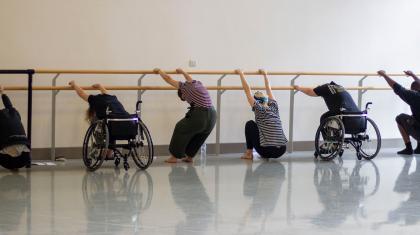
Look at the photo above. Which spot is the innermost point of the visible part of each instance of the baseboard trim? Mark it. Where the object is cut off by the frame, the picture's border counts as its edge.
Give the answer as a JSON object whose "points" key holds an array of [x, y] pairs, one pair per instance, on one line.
{"points": [[162, 150]]}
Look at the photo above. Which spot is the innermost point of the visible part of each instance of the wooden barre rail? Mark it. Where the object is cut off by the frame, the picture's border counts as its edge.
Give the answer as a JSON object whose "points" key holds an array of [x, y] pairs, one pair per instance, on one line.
{"points": [[204, 72], [163, 88]]}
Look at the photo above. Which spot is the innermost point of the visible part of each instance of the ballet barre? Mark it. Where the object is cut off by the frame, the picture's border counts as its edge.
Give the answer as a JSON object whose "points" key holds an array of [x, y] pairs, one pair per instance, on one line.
{"points": [[165, 88], [220, 75]]}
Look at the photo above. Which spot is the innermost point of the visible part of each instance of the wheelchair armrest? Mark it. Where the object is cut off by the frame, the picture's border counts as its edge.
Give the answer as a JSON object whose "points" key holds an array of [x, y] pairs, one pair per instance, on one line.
{"points": [[121, 116], [353, 113]]}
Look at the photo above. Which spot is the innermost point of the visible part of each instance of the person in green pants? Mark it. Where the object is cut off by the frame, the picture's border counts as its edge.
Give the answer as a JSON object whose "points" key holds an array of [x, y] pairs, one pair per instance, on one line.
{"points": [[191, 131]]}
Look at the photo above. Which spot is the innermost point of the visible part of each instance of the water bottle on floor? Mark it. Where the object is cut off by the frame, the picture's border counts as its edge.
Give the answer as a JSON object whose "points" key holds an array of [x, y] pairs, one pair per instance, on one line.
{"points": [[203, 150]]}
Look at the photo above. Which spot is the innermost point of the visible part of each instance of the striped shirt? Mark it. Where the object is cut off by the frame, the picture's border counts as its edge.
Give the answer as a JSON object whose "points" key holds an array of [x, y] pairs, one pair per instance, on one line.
{"points": [[195, 94], [269, 124]]}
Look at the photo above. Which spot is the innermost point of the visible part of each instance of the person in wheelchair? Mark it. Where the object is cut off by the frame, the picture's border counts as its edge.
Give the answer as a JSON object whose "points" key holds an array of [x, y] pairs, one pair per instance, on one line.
{"points": [[14, 145], [99, 106], [192, 131], [337, 99], [409, 125]]}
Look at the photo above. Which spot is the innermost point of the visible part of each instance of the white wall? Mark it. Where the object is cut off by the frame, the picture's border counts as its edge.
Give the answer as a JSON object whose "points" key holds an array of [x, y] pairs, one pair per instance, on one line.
{"points": [[281, 35]]}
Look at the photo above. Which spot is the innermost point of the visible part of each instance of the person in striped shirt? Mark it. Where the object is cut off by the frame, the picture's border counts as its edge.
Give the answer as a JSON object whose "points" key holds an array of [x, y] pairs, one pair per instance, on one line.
{"points": [[265, 134], [192, 131]]}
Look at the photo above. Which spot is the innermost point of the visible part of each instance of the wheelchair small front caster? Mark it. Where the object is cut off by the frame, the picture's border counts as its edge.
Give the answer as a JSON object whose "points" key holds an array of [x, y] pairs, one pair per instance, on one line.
{"points": [[126, 166], [341, 153], [359, 156], [316, 155], [117, 161]]}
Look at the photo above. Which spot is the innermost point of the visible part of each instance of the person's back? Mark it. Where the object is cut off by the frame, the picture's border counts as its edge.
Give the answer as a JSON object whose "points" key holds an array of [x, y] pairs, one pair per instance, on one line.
{"points": [[336, 98], [12, 131], [103, 102]]}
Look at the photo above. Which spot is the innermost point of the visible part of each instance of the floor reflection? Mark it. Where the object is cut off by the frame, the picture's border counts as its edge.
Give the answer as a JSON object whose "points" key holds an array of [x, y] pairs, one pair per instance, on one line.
{"points": [[13, 200], [341, 191], [409, 211], [114, 198], [263, 186], [190, 195]]}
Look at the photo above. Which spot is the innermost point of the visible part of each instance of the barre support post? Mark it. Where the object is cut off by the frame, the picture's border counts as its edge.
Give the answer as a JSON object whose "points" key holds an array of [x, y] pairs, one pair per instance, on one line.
{"points": [[218, 110], [291, 113], [54, 94], [140, 92], [29, 121]]}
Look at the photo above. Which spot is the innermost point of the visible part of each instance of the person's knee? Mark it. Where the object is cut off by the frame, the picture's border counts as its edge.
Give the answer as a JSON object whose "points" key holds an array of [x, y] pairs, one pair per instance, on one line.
{"points": [[250, 123], [400, 119]]}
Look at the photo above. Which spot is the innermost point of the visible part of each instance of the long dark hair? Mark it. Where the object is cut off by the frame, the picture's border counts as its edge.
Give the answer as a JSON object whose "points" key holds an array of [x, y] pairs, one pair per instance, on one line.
{"points": [[90, 115]]}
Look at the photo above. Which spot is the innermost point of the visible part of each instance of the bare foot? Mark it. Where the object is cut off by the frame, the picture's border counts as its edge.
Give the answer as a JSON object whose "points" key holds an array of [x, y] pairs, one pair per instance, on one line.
{"points": [[247, 156], [171, 160], [187, 159]]}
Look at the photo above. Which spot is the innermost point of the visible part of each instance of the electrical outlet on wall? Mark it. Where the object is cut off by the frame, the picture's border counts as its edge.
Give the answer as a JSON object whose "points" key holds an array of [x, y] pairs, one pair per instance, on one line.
{"points": [[192, 63]]}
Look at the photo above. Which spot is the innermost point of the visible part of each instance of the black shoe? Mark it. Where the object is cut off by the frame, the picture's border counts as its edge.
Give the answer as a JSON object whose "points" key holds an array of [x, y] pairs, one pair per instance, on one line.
{"points": [[406, 151], [417, 150]]}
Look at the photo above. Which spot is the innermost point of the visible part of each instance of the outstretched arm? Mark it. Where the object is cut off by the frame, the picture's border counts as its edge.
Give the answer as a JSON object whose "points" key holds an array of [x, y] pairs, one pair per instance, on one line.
{"points": [[186, 75], [411, 74], [308, 91], [6, 101], [100, 87], [82, 94], [267, 84], [246, 87], [389, 80], [167, 78]]}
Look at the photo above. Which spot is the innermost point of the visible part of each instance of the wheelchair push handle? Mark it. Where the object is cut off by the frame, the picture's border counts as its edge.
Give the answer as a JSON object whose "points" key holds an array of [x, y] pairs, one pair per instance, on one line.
{"points": [[137, 105], [367, 105]]}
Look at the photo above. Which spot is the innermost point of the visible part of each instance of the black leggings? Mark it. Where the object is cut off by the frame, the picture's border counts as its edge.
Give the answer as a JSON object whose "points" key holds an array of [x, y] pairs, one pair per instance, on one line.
{"points": [[252, 135]]}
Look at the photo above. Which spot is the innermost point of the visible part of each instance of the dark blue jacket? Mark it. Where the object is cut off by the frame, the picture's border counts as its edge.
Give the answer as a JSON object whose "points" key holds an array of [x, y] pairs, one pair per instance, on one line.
{"points": [[11, 128]]}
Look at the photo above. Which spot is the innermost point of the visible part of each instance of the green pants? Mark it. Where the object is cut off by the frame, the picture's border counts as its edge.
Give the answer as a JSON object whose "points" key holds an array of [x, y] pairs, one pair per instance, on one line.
{"points": [[192, 131]]}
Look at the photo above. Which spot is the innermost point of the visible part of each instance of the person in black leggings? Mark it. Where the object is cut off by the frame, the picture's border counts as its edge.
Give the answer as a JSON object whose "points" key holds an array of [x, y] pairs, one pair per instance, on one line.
{"points": [[265, 134]]}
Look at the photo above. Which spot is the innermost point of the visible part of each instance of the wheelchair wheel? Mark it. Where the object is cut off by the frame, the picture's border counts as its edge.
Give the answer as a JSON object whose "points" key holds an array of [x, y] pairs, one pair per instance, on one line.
{"points": [[329, 138], [95, 145], [140, 190], [143, 153], [371, 141]]}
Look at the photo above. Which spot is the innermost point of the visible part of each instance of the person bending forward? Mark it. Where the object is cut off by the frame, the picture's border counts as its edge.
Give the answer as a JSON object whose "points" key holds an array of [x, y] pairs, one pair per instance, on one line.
{"points": [[14, 145], [192, 131], [99, 105]]}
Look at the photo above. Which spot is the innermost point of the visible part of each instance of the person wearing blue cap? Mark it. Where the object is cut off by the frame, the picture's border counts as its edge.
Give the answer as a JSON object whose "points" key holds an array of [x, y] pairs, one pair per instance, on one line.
{"points": [[265, 134]]}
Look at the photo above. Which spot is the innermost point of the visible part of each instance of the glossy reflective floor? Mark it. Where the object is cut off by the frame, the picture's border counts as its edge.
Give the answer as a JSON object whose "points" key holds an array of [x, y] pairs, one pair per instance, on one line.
{"points": [[217, 195]]}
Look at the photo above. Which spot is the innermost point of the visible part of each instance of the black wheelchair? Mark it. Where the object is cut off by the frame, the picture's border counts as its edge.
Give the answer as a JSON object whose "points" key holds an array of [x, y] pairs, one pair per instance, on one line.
{"points": [[337, 132], [125, 135]]}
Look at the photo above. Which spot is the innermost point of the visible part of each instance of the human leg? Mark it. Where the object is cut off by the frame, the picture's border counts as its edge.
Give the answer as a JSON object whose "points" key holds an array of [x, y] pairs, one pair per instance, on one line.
{"points": [[252, 139], [205, 120], [405, 123]]}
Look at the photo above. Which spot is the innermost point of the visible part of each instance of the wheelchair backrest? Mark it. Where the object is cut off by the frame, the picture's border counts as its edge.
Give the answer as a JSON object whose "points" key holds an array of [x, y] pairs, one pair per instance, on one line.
{"points": [[122, 127], [354, 124]]}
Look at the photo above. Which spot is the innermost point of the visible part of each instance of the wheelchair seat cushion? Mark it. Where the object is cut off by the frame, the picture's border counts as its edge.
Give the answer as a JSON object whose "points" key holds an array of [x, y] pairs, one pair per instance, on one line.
{"points": [[121, 129]]}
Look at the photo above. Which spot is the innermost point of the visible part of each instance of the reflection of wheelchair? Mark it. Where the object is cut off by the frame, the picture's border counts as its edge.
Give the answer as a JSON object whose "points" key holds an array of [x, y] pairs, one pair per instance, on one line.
{"points": [[355, 128], [102, 137], [343, 187], [119, 198]]}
